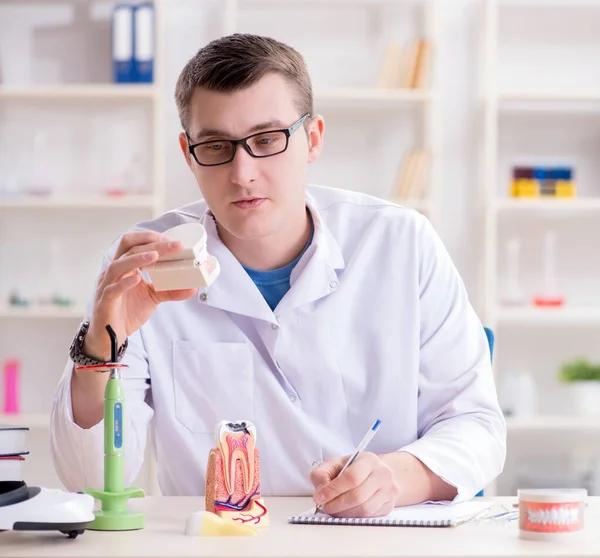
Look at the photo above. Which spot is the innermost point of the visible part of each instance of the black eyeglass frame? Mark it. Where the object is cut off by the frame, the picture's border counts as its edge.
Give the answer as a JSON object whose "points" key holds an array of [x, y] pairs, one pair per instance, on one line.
{"points": [[244, 143]]}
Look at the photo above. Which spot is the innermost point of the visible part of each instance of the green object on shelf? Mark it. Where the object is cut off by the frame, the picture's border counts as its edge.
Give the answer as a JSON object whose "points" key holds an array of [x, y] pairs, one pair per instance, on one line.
{"points": [[16, 300], [114, 514], [62, 301], [580, 370]]}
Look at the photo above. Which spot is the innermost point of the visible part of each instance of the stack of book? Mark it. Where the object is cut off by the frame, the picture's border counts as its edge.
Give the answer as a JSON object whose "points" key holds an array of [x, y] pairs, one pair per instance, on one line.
{"points": [[412, 177], [406, 67], [13, 449]]}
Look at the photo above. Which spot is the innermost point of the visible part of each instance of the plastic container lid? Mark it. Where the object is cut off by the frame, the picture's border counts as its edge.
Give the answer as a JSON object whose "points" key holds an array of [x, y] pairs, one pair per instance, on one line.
{"points": [[193, 237], [552, 495]]}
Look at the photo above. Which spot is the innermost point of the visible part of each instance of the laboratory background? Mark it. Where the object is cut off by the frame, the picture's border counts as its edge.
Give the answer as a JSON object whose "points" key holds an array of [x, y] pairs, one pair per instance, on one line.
{"points": [[484, 115]]}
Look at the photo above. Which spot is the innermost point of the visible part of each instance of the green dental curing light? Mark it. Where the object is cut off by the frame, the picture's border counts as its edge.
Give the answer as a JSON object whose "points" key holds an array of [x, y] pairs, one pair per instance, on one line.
{"points": [[114, 514]]}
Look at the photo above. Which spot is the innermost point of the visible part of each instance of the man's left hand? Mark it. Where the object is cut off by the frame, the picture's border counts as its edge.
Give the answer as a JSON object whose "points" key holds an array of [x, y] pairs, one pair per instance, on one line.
{"points": [[367, 488]]}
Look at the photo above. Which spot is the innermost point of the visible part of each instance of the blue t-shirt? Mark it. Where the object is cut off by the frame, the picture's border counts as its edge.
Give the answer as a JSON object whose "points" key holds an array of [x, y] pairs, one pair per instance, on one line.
{"points": [[273, 284]]}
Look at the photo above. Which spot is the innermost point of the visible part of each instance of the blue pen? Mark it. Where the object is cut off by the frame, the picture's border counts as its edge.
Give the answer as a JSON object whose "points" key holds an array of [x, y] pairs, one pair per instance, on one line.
{"points": [[360, 448]]}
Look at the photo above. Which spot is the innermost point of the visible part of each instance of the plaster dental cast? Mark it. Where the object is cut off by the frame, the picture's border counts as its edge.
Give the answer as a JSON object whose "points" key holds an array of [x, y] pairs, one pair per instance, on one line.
{"points": [[329, 309]]}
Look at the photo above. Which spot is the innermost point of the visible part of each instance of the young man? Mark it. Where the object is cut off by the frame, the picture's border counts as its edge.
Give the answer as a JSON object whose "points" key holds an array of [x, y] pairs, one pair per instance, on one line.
{"points": [[332, 309]]}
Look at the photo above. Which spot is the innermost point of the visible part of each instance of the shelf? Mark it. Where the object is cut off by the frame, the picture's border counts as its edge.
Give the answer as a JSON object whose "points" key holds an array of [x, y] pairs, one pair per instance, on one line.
{"points": [[345, 3], [39, 312], [554, 424], [82, 202], [554, 96], [370, 97], [549, 3], [549, 316], [541, 423], [73, 92], [25, 419], [590, 204], [549, 101]]}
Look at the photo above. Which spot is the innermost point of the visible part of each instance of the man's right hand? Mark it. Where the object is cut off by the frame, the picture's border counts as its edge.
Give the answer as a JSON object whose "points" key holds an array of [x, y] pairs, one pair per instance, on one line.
{"points": [[123, 299]]}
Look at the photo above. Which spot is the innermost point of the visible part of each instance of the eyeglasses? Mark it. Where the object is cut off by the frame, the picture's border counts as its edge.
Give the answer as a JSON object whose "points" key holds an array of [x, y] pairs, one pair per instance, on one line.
{"points": [[259, 145]]}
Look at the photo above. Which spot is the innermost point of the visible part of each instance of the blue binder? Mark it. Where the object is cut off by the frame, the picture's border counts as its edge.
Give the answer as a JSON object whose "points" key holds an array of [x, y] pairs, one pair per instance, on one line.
{"points": [[122, 43], [143, 42]]}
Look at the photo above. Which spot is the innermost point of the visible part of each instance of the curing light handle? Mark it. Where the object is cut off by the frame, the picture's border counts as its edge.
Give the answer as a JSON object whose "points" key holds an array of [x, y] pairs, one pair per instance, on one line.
{"points": [[114, 457], [114, 514]]}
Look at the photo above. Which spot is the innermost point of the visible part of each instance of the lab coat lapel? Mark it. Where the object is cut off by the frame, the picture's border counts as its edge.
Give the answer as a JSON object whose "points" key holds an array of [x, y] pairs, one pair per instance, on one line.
{"points": [[316, 274], [233, 290]]}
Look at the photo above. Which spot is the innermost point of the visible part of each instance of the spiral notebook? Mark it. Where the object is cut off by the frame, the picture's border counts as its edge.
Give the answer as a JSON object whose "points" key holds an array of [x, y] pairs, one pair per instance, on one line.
{"points": [[421, 515]]}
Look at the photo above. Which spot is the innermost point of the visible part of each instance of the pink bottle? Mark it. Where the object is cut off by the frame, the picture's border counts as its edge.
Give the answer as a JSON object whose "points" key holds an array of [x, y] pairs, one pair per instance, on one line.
{"points": [[11, 386]]}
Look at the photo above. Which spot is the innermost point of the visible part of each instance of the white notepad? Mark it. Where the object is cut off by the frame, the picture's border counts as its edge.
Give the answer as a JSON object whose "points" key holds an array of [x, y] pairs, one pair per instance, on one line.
{"points": [[421, 515]]}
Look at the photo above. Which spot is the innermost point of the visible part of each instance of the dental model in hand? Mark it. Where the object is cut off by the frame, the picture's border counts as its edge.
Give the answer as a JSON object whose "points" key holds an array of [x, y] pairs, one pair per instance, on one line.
{"points": [[233, 475], [189, 268]]}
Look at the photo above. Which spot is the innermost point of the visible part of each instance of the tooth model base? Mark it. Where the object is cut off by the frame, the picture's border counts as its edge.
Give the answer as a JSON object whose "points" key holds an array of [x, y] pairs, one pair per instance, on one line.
{"points": [[206, 524]]}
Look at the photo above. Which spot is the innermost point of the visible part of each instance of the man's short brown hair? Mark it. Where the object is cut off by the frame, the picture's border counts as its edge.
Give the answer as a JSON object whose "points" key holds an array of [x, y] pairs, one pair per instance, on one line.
{"points": [[237, 61]]}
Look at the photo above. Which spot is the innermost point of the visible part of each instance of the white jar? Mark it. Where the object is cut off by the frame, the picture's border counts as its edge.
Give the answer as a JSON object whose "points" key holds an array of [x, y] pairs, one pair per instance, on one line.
{"points": [[551, 514], [518, 394], [586, 398]]}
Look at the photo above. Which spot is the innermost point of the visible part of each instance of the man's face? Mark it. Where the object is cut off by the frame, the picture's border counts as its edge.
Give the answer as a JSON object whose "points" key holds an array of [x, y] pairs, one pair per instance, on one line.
{"points": [[253, 197]]}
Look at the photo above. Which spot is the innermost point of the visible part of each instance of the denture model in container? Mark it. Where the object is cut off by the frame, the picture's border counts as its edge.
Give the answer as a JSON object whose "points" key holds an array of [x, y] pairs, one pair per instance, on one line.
{"points": [[551, 514], [191, 267]]}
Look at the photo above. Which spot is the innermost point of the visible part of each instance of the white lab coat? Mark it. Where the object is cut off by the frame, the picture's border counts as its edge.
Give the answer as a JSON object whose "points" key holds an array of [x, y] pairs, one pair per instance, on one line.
{"points": [[376, 325]]}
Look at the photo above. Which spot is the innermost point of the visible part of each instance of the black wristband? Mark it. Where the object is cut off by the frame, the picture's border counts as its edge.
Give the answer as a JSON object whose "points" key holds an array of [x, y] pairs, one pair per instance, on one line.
{"points": [[78, 357]]}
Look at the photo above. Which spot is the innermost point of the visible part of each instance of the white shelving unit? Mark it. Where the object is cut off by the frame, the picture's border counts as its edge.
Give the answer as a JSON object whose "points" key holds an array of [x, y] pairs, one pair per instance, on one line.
{"points": [[73, 210], [549, 317], [149, 202], [349, 101], [524, 106], [582, 426], [37, 312], [365, 98], [31, 421], [79, 92], [564, 205]]}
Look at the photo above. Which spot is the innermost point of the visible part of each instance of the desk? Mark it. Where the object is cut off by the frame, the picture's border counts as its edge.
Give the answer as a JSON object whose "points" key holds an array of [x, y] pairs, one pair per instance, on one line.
{"points": [[165, 520]]}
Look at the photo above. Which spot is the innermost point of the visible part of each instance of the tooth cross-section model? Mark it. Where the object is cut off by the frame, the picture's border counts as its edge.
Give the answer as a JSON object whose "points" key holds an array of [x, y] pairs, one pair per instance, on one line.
{"points": [[233, 475]]}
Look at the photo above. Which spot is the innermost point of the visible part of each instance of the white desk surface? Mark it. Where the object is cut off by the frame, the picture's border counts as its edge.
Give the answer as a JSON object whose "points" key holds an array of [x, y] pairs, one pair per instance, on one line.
{"points": [[165, 521]]}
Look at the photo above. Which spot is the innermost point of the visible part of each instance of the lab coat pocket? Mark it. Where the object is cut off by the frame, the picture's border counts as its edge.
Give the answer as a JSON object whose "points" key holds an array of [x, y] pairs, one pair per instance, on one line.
{"points": [[212, 382]]}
